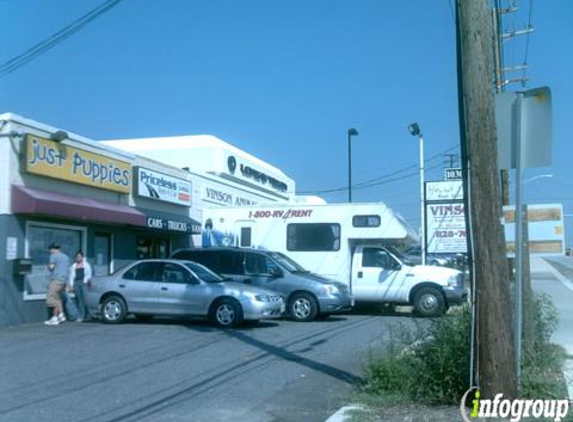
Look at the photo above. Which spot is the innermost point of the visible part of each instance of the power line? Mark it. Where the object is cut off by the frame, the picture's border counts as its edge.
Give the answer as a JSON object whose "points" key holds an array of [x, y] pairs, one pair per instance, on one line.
{"points": [[47, 44], [526, 55], [381, 179]]}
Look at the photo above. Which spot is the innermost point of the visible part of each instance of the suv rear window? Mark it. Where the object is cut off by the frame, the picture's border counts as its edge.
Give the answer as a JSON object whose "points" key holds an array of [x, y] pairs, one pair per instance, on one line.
{"points": [[219, 261]]}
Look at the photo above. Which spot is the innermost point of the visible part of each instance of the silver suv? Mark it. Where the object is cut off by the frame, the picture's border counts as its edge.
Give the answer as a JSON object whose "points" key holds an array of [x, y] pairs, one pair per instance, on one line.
{"points": [[307, 295]]}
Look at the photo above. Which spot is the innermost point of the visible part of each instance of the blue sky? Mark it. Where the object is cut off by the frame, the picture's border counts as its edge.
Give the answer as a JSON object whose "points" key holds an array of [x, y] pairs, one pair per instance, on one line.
{"points": [[284, 80]]}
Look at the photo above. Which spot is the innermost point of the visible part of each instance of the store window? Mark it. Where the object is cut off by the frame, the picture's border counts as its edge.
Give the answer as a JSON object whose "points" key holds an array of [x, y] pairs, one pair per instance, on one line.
{"points": [[313, 237], [153, 248], [39, 236]]}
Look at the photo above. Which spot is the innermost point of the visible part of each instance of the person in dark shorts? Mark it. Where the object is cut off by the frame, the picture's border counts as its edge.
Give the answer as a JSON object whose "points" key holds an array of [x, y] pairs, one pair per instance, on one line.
{"points": [[58, 265]]}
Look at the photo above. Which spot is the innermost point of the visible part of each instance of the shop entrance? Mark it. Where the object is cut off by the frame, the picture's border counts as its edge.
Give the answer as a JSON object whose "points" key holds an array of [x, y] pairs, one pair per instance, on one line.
{"points": [[153, 248], [102, 254]]}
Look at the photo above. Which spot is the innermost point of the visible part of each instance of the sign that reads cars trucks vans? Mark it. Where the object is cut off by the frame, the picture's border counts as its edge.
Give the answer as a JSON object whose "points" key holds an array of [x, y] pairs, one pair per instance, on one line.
{"points": [[445, 218], [154, 185]]}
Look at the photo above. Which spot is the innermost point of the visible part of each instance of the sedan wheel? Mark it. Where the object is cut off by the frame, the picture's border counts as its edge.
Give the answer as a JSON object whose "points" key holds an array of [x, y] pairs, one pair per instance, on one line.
{"points": [[113, 310], [227, 313], [303, 307]]}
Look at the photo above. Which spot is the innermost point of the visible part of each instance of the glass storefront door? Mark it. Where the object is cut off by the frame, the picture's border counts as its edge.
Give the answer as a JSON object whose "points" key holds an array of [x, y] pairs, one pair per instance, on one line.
{"points": [[153, 248], [102, 255]]}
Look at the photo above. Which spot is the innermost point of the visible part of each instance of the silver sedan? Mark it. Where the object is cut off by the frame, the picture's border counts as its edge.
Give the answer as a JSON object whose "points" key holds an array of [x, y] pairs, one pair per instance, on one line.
{"points": [[173, 287]]}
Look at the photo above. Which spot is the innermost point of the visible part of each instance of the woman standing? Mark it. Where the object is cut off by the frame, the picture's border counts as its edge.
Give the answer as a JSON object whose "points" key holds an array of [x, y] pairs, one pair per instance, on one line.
{"points": [[80, 275]]}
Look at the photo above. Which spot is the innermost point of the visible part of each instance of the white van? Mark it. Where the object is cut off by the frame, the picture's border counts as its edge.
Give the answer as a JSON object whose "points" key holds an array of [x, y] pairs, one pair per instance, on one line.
{"points": [[351, 243]]}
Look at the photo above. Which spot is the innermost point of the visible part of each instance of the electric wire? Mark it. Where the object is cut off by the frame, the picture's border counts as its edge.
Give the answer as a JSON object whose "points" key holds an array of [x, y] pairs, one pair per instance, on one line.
{"points": [[527, 37], [38, 49], [384, 179]]}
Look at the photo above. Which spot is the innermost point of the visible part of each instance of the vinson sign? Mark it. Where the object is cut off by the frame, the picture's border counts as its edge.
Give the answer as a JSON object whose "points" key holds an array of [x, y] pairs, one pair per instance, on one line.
{"points": [[154, 185]]}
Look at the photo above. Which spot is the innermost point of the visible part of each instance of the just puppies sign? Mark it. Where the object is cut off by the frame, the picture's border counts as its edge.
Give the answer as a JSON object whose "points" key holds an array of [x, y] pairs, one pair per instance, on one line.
{"points": [[45, 157], [151, 184]]}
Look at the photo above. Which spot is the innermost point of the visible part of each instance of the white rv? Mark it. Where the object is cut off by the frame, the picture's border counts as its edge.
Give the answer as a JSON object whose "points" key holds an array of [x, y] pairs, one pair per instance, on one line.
{"points": [[351, 243]]}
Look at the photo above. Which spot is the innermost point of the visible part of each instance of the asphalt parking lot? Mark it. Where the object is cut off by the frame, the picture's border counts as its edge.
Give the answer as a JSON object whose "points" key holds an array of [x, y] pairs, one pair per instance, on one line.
{"points": [[174, 370]]}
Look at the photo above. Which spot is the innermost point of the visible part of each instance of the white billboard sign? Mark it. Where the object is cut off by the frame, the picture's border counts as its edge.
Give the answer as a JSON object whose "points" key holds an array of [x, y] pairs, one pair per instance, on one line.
{"points": [[155, 185], [445, 217], [451, 190], [446, 228], [545, 229]]}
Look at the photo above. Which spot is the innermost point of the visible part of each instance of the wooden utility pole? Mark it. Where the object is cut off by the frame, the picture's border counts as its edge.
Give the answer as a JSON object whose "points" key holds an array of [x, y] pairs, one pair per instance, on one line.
{"points": [[494, 338]]}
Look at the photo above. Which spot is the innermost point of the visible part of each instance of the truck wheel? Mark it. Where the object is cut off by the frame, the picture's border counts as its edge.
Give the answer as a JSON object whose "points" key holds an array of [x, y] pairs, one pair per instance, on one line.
{"points": [[429, 302], [303, 307]]}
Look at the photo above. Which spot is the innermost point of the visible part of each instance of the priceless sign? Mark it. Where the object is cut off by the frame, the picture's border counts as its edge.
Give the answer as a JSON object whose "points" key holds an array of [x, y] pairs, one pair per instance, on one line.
{"points": [[151, 184], [52, 159]]}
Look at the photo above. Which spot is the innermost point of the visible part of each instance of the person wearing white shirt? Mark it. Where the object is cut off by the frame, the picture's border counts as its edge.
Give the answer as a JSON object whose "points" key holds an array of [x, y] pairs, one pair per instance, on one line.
{"points": [[79, 278]]}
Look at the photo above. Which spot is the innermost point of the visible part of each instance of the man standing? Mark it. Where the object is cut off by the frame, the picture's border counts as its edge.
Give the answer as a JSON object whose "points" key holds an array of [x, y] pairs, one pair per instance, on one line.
{"points": [[59, 265]]}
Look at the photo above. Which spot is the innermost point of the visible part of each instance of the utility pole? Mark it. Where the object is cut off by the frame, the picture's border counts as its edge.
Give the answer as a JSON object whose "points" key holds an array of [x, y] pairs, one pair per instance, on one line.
{"points": [[452, 158], [494, 338], [525, 324], [501, 71]]}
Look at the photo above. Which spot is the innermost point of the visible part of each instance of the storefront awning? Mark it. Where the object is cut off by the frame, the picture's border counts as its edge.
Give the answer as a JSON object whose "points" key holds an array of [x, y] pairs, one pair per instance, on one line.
{"points": [[32, 201]]}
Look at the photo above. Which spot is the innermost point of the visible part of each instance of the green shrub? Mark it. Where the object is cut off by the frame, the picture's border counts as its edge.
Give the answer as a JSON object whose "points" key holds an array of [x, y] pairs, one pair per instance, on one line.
{"points": [[541, 376], [430, 362]]}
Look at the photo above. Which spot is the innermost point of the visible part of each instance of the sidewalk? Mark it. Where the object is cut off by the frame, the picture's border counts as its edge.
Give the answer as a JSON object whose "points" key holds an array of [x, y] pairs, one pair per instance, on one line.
{"points": [[554, 276]]}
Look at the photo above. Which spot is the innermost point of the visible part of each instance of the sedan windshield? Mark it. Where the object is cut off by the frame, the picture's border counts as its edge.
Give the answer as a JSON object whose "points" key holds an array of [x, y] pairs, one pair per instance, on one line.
{"points": [[204, 273], [289, 264]]}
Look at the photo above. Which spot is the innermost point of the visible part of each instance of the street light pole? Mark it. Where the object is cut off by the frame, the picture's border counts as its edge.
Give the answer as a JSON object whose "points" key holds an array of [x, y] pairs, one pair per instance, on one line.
{"points": [[351, 132], [414, 129]]}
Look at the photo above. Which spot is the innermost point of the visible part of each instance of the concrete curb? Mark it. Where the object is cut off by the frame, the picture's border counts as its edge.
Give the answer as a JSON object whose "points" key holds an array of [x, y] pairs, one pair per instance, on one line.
{"points": [[340, 415]]}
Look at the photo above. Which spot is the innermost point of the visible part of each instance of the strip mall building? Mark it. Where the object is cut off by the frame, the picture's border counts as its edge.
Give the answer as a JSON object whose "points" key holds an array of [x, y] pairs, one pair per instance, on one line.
{"points": [[117, 201]]}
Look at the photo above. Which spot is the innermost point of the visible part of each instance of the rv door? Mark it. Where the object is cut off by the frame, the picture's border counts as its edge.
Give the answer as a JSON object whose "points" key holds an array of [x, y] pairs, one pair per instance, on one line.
{"points": [[245, 231]]}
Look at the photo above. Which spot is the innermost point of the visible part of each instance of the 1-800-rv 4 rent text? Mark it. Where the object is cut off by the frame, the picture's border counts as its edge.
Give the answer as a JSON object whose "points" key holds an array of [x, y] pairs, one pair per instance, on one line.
{"points": [[351, 243]]}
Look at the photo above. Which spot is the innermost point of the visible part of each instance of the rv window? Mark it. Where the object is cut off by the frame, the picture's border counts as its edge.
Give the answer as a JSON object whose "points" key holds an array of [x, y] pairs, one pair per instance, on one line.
{"points": [[313, 237], [245, 237], [366, 221]]}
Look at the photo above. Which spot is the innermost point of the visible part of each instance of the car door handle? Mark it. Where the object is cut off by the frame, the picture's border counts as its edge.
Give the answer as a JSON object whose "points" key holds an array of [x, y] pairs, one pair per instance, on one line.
{"points": [[360, 274], [410, 275], [122, 286], [164, 288]]}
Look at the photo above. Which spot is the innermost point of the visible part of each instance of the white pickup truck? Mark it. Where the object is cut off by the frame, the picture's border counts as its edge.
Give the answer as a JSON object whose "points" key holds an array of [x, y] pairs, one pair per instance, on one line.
{"points": [[382, 274]]}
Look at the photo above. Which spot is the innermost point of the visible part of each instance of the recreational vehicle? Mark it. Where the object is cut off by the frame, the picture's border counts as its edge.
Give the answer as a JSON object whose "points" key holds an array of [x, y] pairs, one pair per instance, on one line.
{"points": [[356, 244]]}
